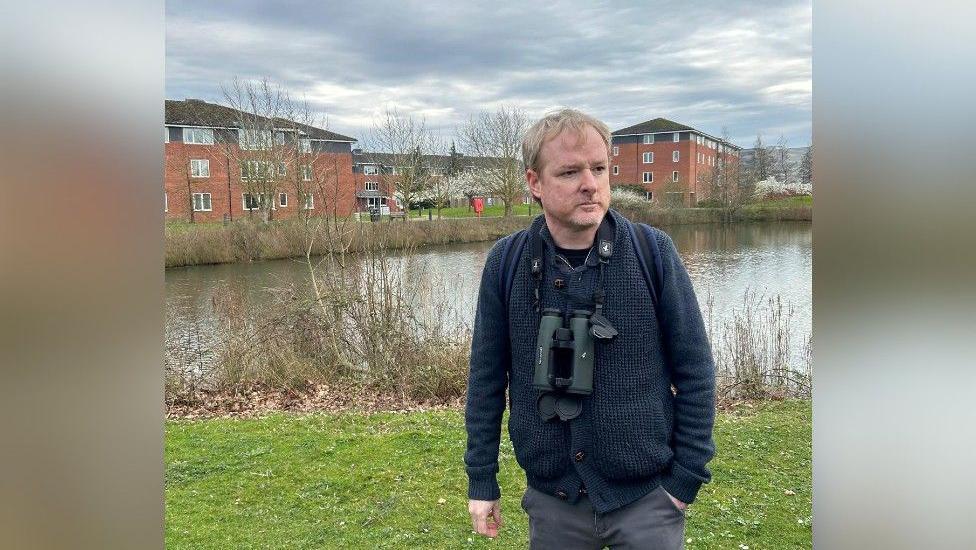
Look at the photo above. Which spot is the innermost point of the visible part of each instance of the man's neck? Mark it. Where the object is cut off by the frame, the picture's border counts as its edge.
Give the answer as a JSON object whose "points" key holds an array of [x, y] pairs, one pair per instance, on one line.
{"points": [[572, 239]]}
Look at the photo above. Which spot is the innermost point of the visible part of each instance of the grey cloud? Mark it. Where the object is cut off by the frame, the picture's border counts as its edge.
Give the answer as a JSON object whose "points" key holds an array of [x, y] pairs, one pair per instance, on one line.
{"points": [[709, 65]]}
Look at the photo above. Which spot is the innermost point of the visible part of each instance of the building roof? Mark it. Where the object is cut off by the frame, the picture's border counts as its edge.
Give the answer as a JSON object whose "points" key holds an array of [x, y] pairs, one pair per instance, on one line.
{"points": [[442, 161], [195, 112], [653, 125]]}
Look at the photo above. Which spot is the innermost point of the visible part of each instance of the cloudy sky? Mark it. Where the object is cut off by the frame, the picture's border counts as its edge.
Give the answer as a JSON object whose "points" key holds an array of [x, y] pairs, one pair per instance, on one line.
{"points": [[744, 66]]}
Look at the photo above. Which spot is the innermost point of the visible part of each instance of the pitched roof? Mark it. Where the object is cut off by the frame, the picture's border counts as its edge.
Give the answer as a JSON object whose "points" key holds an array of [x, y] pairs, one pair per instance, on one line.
{"points": [[653, 125], [443, 161], [194, 112]]}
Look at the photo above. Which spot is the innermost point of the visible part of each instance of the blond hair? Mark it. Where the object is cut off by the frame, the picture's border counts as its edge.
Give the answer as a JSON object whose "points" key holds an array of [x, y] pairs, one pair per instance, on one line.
{"points": [[550, 126]]}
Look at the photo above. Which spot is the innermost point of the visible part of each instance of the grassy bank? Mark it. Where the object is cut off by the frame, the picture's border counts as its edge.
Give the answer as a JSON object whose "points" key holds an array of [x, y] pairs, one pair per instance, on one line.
{"points": [[247, 240], [396, 480], [242, 241]]}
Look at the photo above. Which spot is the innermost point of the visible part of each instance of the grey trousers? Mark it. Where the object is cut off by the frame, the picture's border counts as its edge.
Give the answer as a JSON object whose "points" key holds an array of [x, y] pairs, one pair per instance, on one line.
{"points": [[650, 523]]}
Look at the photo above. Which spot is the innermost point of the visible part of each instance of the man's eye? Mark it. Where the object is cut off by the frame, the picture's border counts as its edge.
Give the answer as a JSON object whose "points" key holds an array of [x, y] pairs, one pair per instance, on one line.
{"points": [[568, 173], [600, 169]]}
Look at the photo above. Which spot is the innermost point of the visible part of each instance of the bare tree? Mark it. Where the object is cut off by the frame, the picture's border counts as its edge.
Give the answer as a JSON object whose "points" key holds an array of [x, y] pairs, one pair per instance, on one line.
{"points": [[262, 148], [497, 138], [785, 168], [806, 167], [762, 160], [402, 144]]}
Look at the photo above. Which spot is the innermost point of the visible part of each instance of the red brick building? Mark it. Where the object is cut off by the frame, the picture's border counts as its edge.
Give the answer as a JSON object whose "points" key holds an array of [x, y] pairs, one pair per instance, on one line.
{"points": [[670, 161], [216, 170]]}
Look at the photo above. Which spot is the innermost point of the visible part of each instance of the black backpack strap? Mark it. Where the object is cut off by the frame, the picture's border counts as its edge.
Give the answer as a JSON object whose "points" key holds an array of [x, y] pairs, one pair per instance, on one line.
{"points": [[510, 258], [649, 257]]}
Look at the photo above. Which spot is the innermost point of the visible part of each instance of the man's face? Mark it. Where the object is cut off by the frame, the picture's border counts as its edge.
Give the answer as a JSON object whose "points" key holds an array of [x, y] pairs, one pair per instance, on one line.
{"points": [[573, 183]]}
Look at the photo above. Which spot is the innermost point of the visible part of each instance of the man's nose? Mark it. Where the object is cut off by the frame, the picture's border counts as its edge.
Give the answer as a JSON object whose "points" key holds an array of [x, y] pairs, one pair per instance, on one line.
{"points": [[588, 182]]}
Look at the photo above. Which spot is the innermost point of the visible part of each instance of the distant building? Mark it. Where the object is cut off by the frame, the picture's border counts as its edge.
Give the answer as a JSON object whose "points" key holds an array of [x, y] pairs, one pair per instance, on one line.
{"points": [[667, 160], [207, 174]]}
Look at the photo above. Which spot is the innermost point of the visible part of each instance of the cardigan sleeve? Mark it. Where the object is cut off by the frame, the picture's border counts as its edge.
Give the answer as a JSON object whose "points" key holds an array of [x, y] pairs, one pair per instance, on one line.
{"points": [[692, 372], [487, 380]]}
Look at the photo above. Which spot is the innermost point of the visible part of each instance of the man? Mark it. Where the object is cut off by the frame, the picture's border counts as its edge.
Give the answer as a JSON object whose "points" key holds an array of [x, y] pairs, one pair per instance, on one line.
{"points": [[615, 461]]}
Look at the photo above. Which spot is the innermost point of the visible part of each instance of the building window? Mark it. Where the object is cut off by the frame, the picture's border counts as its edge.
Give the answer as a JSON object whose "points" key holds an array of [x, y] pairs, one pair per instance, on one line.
{"points": [[309, 203], [201, 202], [199, 136], [199, 168], [675, 137], [372, 186], [282, 199], [253, 201], [305, 145], [251, 140], [306, 173], [674, 176], [616, 169], [370, 170], [648, 195], [165, 134], [282, 170], [648, 139], [616, 150], [674, 156], [648, 158], [648, 177], [165, 202], [255, 169]]}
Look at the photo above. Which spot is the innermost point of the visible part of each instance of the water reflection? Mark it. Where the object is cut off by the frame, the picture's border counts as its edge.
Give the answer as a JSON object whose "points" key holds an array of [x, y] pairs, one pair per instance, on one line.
{"points": [[723, 261]]}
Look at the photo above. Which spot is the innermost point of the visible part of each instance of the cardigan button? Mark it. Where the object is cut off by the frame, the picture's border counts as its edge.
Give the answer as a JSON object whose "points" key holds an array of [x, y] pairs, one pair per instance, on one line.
{"points": [[580, 456]]}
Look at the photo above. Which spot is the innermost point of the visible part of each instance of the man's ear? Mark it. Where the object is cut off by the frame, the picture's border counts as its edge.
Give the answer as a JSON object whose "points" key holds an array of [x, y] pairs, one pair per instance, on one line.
{"points": [[535, 186]]}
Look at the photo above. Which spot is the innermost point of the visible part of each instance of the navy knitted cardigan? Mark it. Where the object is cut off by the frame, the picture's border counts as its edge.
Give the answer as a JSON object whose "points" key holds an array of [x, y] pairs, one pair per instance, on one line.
{"points": [[634, 434]]}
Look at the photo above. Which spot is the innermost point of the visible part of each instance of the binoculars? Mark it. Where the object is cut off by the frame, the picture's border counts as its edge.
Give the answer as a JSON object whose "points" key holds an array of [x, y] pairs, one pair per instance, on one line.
{"points": [[564, 355]]}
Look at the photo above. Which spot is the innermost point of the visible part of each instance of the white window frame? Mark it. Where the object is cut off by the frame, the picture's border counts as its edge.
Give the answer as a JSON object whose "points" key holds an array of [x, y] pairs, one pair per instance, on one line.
{"points": [[283, 203], [616, 170], [674, 176], [195, 168], [309, 203], [372, 186], [190, 136], [254, 166], [676, 137], [370, 170], [648, 139], [675, 156], [305, 145], [648, 177], [260, 201], [306, 172], [282, 170], [616, 150], [209, 202], [254, 140], [648, 157], [165, 134], [165, 201]]}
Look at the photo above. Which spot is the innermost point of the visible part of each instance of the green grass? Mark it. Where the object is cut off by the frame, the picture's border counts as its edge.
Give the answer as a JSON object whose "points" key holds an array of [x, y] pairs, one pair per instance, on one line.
{"points": [[786, 202], [489, 211], [374, 481]]}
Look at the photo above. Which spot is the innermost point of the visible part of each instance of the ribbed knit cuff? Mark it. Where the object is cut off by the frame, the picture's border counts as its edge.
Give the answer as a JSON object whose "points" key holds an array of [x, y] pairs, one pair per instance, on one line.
{"points": [[681, 483], [484, 488], [482, 482]]}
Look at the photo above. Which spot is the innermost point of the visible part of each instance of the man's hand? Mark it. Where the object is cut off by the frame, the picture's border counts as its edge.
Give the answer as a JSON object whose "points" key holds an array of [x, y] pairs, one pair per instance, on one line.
{"points": [[678, 503], [486, 516]]}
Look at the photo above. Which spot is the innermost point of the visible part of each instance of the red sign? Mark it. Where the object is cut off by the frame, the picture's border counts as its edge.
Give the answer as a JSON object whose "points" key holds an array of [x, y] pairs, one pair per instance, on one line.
{"points": [[479, 205]]}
